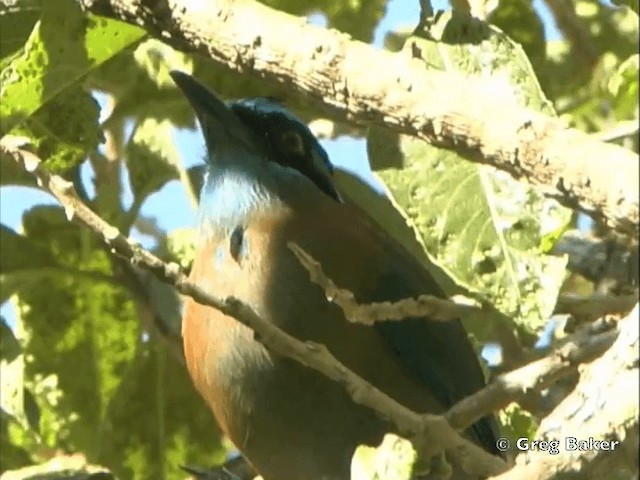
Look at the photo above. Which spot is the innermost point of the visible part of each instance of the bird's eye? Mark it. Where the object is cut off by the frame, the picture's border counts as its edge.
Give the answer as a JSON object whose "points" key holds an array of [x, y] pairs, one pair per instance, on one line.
{"points": [[291, 142]]}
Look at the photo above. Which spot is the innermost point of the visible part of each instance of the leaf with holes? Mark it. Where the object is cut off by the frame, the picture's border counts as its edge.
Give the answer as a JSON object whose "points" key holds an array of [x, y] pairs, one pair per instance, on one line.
{"points": [[479, 224], [63, 46]]}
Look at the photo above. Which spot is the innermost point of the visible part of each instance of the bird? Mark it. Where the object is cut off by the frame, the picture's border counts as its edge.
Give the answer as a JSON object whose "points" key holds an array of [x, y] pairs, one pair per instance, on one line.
{"points": [[268, 182]]}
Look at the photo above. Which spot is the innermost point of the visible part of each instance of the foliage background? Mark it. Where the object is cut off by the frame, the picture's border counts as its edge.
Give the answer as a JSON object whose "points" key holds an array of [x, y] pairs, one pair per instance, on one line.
{"points": [[90, 358]]}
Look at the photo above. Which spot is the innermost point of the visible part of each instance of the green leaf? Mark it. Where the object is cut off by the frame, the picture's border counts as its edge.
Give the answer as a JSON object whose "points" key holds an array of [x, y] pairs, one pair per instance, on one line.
{"points": [[104, 387], [138, 81], [393, 459], [158, 59], [157, 421], [632, 4], [21, 262], [17, 19], [26, 260], [31, 410], [152, 157], [391, 218], [519, 19], [517, 422], [484, 227], [64, 130], [14, 455], [10, 348], [11, 375], [480, 225], [181, 244], [62, 48], [579, 88], [623, 87], [165, 302], [13, 174]]}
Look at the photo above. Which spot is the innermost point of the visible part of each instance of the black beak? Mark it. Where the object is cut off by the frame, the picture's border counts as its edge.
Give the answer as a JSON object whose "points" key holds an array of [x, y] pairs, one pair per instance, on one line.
{"points": [[221, 127]]}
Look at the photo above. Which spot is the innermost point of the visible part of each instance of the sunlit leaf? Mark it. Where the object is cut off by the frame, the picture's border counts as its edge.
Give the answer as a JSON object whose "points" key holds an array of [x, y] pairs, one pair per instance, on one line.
{"points": [[623, 87], [390, 217], [486, 229], [181, 244], [517, 422], [525, 27], [393, 459], [64, 130], [580, 90], [62, 48]]}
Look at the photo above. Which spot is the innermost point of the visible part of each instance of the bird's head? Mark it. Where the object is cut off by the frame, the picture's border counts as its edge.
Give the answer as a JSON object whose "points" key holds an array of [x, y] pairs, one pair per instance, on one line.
{"points": [[253, 131]]}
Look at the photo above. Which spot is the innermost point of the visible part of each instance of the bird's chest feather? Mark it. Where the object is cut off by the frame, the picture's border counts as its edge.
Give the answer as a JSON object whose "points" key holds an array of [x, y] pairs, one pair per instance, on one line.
{"points": [[221, 354], [254, 263], [255, 394]]}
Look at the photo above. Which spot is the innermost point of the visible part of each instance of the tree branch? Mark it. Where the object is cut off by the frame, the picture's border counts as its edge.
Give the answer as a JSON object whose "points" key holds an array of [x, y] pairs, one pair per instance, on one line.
{"points": [[600, 260], [604, 406], [375, 87], [594, 306], [67, 467], [567, 20], [537, 375], [625, 128]]}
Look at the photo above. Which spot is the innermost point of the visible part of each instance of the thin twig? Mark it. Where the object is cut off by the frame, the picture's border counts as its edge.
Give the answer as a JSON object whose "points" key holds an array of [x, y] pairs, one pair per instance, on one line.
{"points": [[537, 375], [620, 130], [435, 308], [592, 307]]}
